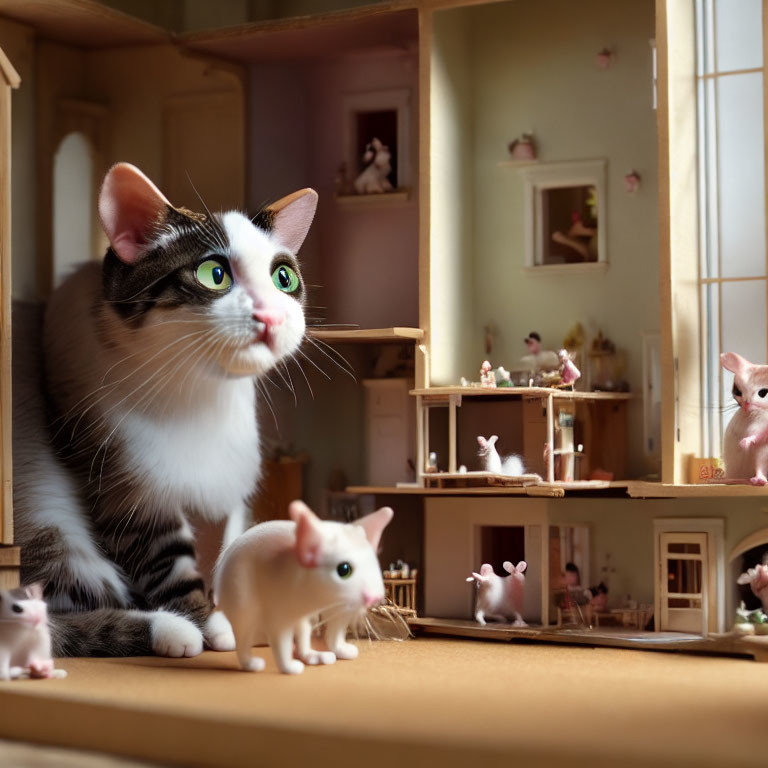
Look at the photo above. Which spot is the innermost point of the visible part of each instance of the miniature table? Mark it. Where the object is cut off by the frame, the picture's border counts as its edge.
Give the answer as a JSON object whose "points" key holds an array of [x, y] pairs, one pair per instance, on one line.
{"points": [[451, 397]]}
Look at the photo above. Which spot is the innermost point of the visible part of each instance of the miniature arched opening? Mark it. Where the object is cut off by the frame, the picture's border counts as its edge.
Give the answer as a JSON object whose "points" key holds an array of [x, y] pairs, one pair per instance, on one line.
{"points": [[750, 552], [73, 205]]}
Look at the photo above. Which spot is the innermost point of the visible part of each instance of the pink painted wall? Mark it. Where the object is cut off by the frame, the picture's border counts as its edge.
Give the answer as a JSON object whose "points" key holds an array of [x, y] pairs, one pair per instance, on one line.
{"points": [[361, 260]]}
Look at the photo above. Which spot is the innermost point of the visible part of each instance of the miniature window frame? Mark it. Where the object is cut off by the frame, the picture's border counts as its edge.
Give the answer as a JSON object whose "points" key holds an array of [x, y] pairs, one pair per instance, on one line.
{"points": [[397, 99], [540, 178]]}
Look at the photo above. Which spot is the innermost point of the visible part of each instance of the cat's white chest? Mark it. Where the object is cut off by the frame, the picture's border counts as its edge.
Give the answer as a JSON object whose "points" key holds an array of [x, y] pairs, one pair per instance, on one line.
{"points": [[205, 459]]}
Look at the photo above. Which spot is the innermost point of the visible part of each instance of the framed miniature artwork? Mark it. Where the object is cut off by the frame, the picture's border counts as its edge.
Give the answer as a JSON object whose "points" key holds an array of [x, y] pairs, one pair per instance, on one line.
{"points": [[565, 216], [376, 139]]}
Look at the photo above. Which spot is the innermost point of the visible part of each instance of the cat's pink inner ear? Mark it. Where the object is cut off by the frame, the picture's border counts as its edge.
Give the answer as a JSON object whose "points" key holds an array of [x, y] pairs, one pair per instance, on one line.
{"points": [[374, 525], [309, 535], [735, 363], [292, 218], [129, 206]]}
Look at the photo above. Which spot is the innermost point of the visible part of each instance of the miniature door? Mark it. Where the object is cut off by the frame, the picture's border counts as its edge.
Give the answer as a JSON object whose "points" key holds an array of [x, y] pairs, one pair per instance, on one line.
{"points": [[684, 582]]}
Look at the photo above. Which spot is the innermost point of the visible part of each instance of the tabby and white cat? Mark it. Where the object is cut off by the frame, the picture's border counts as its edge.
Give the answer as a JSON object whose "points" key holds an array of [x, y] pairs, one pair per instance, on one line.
{"points": [[147, 412]]}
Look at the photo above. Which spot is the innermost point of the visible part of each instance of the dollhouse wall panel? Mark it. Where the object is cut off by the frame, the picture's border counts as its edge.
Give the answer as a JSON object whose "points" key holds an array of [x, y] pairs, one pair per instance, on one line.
{"points": [[361, 260]]}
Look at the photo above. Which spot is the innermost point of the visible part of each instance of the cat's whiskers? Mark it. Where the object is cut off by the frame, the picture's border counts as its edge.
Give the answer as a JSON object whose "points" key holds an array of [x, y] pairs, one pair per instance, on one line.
{"points": [[347, 367], [64, 417], [299, 366], [261, 388], [310, 360], [102, 416]]}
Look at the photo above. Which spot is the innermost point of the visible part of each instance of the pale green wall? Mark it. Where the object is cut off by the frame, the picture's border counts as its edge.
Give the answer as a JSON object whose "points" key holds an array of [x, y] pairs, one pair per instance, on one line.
{"points": [[531, 66], [451, 189]]}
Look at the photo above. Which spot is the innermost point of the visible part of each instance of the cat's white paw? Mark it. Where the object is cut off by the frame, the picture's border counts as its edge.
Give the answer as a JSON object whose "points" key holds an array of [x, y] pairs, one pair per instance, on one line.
{"points": [[175, 636], [218, 633], [346, 651], [318, 657]]}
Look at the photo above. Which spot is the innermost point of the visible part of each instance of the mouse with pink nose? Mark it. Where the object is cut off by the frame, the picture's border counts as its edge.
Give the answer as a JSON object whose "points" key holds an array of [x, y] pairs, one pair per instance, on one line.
{"points": [[275, 578], [25, 640], [745, 445]]}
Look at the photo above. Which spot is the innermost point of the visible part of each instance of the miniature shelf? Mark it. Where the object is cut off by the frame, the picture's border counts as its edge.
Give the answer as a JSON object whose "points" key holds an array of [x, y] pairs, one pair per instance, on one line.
{"points": [[374, 198], [366, 335], [532, 392]]}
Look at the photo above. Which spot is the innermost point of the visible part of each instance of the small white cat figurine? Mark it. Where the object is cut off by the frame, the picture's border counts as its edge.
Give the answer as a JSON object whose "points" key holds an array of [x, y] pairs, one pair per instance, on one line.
{"points": [[745, 446], [511, 465], [373, 178], [278, 575]]}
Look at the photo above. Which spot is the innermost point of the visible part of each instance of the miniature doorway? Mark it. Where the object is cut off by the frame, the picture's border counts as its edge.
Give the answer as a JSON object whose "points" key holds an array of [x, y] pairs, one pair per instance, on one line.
{"points": [[689, 567], [684, 588], [73, 205], [751, 551]]}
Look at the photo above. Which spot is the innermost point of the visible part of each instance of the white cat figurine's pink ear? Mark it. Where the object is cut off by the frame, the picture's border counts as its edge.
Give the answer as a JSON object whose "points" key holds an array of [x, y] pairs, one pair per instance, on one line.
{"points": [[745, 444], [272, 581], [129, 206], [292, 216]]}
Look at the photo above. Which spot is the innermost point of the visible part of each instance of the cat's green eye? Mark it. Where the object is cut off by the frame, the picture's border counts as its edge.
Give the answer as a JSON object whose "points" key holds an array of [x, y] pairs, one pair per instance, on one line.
{"points": [[212, 274], [344, 570], [285, 279]]}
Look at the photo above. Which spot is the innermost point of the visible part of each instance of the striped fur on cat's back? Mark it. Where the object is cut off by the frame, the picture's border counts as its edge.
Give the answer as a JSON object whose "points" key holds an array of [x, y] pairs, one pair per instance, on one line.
{"points": [[141, 409]]}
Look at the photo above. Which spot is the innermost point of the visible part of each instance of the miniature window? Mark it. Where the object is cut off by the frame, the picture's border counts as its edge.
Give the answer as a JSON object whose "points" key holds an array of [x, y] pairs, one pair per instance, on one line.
{"points": [[565, 215]]}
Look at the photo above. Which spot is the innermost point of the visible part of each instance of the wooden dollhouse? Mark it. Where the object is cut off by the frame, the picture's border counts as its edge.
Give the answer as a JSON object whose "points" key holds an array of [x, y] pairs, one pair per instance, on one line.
{"points": [[405, 285], [405, 282]]}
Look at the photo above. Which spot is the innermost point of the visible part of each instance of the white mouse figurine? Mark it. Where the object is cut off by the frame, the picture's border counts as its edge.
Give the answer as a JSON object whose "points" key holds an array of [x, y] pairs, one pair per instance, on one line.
{"points": [[745, 446], [511, 465], [25, 640], [497, 597], [275, 578]]}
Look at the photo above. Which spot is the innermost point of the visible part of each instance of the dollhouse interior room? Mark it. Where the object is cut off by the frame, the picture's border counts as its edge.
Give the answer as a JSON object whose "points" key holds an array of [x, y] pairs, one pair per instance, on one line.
{"points": [[540, 225]]}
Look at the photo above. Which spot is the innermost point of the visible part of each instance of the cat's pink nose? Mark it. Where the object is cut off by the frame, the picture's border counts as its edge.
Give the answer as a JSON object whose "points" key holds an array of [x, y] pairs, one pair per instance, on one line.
{"points": [[269, 317], [371, 599]]}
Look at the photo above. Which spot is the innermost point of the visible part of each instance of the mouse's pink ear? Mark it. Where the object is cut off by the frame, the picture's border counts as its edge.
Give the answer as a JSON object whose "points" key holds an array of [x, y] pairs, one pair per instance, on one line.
{"points": [[486, 569], [309, 534], [735, 363], [129, 206], [374, 525], [292, 216], [34, 591]]}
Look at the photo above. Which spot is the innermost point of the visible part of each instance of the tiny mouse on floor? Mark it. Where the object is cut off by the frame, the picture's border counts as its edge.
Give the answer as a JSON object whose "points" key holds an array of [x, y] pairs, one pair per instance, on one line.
{"points": [[280, 574], [25, 641]]}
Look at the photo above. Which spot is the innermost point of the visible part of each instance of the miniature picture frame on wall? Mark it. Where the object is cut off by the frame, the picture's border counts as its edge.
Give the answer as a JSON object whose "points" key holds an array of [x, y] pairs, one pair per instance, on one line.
{"points": [[376, 140], [565, 216]]}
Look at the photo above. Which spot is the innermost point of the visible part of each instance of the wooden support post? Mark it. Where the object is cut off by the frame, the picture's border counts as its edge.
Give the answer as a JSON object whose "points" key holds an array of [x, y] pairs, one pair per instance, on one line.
{"points": [[420, 456], [550, 439], [453, 401], [10, 564]]}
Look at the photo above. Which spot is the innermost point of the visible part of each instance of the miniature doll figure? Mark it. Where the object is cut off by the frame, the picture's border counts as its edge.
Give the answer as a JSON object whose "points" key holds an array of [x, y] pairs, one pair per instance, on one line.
{"points": [[569, 373], [487, 376], [538, 359], [599, 601], [373, 179]]}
